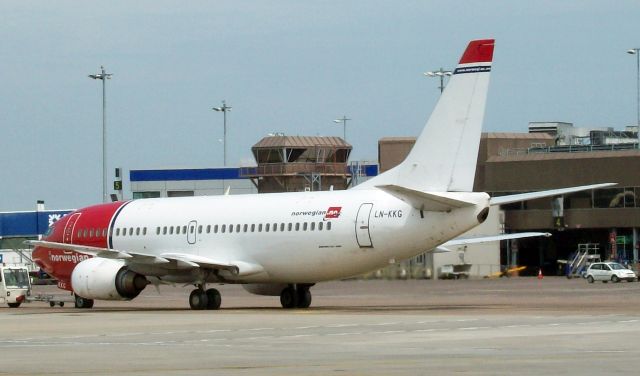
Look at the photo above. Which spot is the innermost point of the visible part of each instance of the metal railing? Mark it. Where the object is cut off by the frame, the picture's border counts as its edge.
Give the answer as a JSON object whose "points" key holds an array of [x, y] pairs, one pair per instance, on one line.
{"points": [[567, 149], [280, 169]]}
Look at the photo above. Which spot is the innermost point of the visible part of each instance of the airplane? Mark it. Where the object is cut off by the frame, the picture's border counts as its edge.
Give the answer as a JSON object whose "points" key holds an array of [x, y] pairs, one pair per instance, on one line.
{"points": [[281, 244]]}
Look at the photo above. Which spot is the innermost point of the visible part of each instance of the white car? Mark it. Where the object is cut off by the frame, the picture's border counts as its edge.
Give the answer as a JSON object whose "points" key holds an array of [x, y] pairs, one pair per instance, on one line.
{"points": [[609, 271]]}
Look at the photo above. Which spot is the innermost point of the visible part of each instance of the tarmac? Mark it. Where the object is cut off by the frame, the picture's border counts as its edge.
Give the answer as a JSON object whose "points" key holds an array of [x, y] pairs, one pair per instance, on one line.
{"points": [[362, 327]]}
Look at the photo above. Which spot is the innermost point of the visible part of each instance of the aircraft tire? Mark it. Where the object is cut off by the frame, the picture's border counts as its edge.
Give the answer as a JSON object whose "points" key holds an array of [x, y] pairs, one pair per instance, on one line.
{"points": [[81, 302], [289, 298], [198, 299], [13, 305], [213, 299], [304, 298]]}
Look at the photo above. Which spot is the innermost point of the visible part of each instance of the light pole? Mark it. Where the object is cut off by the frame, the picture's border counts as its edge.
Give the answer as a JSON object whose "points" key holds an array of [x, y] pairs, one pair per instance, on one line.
{"points": [[103, 76], [636, 51], [224, 109], [343, 120], [439, 73]]}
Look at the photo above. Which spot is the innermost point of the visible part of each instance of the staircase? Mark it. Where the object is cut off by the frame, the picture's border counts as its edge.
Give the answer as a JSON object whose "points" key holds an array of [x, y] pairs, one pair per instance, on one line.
{"points": [[585, 255]]}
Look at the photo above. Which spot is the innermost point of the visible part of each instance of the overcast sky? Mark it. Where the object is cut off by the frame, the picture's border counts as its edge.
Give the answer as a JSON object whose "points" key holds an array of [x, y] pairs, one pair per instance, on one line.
{"points": [[284, 66]]}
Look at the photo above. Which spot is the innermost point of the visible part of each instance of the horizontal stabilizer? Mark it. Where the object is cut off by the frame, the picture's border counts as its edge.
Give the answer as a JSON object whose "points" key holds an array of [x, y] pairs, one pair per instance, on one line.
{"points": [[441, 201], [502, 200], [443, 248], [493, 238]]}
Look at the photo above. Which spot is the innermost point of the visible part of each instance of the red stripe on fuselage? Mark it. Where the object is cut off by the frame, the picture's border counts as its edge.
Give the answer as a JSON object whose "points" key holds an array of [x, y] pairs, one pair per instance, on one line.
{"points": [[87, 226]]}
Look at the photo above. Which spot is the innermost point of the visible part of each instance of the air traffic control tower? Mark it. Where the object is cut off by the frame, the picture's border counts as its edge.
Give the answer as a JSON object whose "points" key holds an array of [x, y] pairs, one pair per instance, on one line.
{"points": [[296, 163]]}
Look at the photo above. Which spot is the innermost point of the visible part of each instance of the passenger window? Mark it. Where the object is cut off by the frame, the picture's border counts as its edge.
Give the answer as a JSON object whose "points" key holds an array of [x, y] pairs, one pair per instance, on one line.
{"points": [[328, 226], [304, 226], [266, 228], [158, 230], [275, 227], [184, 229], [215, 229], [199, 229], [230, 228], [260, 227], [137, 231], [104, 232], [164, 230], [253, 227], [209, 229], [224, 227], [192, 229], [320, 226], [297, 226], [246, 227], [79, 234], [237, 228], [177, 230], [289, 226], [85, 233], [171, 230], [118, 231], [313, 226]]}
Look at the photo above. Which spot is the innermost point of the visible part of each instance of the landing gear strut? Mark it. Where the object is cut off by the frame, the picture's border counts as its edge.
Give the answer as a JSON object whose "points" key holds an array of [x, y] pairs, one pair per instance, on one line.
{"points": [[201, 299], [295, 296]]}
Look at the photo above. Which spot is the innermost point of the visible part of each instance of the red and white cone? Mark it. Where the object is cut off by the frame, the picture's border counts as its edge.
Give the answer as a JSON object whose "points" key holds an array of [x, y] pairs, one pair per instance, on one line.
{"points": [[540, 276]]}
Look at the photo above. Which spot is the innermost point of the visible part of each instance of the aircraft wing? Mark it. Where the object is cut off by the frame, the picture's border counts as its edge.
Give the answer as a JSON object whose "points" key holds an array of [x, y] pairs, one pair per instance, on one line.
{"points": [[168, 260], [485, 239], [501, 200]]}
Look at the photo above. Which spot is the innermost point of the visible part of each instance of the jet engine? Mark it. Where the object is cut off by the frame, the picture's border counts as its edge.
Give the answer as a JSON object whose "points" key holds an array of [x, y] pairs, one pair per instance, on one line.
{"points": [[106, 279]]}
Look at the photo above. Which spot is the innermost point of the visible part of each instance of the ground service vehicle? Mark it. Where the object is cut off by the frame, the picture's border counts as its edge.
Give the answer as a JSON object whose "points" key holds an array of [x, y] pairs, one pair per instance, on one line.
{"points": [[609, 271], [15, 285]]}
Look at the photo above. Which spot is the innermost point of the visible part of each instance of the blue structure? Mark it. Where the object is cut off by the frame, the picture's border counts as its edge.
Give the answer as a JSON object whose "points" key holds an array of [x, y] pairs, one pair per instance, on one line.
{"points": [[185, 174], [226, 173], [28, 223]]}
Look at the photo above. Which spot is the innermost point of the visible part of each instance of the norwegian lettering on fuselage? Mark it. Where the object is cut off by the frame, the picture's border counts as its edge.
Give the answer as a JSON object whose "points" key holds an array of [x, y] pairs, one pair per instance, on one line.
{"points": [[72, 257], [387, 214], [331, 213]]}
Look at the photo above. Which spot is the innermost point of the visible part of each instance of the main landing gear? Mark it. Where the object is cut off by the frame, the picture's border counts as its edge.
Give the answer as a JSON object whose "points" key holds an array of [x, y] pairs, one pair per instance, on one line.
{"points": [[295, 296], [81, 302], [201, 299]]}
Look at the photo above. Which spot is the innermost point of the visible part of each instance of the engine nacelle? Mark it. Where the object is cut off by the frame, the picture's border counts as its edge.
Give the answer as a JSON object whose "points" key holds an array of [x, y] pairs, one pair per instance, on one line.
{"points": [[100, 278], [269, 289]]}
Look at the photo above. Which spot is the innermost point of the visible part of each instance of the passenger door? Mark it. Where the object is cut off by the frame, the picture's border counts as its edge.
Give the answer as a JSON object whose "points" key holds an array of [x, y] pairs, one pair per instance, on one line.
{"points": [[362, 226], [69, 227], [192, 232]]}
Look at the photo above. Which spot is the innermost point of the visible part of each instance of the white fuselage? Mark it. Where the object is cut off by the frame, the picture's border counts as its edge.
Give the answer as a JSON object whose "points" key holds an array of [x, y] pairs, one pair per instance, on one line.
{"points": [[364, 230]]}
